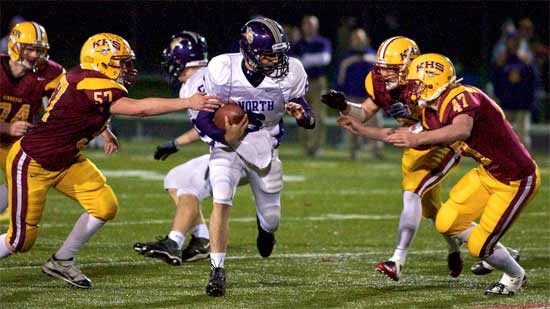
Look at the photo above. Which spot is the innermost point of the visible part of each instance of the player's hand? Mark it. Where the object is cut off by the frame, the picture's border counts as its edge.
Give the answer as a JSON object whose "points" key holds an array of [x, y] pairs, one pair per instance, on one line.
{"points": [[400, 110], [19, 128], [234, 132], [352, 125], [202, 102], [403, 138], [335, 99], [166, 149], [295, 110], [110, 145]]}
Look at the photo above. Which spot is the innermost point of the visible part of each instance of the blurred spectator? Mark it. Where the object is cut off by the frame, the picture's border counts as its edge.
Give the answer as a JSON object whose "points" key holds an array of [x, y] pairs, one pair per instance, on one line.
{"points": [[505, 29], [514, 86], [4, 40], [347, 24], [293, 34], [314, 51], [353, 68]]}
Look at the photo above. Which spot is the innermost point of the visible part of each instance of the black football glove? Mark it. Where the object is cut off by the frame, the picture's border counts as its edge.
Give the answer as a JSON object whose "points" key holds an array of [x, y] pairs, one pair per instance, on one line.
{"points": [[400, 110], [335, 99], [164, 150]]}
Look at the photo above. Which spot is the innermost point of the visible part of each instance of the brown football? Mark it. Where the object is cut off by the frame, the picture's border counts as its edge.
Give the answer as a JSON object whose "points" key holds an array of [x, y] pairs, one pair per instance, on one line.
{"points": [[233, 112]]}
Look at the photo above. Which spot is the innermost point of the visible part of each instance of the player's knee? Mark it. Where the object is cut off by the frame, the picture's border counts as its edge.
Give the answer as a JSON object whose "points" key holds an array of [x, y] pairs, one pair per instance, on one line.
{"points": [[26, 242], [445, 219], [223, 190], [271, 216], [107, 206], [476, 242]]}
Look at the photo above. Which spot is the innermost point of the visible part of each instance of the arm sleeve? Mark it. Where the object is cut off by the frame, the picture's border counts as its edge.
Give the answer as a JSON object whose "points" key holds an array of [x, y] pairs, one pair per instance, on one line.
{"points": [[465, 102], [308, 122], [204, 123]]}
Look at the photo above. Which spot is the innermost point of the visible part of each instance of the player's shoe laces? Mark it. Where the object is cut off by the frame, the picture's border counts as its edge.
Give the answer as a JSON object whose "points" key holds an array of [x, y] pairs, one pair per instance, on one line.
{"points": [[391, 269], [455, 264], [197, 249], [164, 249], [265, 241], [216, 283], [482, 268], [507, 285], [66, 271]]}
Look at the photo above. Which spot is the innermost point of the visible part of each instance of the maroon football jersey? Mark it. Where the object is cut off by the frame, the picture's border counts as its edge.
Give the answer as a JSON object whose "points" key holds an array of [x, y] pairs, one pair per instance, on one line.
{"points": [[77, 112], [21, 98], [492, 141]]}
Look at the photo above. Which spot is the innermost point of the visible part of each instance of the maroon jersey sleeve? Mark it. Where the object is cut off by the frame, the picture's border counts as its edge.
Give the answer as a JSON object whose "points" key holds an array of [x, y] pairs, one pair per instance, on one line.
{"points": [[52, 75], [459, 101], [101, 91]]}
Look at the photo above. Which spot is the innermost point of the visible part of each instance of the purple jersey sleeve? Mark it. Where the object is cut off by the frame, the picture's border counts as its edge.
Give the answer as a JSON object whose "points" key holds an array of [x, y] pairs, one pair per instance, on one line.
{"points": [[205, 125], [308, 122]]}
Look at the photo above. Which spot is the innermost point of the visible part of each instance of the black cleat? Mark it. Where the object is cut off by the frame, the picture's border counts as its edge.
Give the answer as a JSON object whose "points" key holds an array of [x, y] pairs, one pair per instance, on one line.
{"points": [[265, 241], [164, 249], [197, 249], [455, 264], [216, 283]]}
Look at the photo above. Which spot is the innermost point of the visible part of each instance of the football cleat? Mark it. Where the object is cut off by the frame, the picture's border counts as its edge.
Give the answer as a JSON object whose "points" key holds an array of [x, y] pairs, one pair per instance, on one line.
{"points": [[455, 264], [197, 249], [265, 241], [216, 283], [507, 285], [482, 268], [66, 271], [164, 249], [391, 269]]}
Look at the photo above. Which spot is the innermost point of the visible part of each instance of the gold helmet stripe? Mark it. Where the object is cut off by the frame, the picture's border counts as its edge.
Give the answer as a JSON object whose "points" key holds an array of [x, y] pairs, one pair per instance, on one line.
{"points": [[385, 46]]}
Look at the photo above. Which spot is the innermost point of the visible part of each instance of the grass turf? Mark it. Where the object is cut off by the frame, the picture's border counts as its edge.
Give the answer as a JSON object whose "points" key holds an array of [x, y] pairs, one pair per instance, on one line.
{"points": [[336, 224]]}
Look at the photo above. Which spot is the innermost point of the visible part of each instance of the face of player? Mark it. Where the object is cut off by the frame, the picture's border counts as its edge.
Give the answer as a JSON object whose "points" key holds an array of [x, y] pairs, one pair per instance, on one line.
{"points": [[391, 77], [32, 56]]}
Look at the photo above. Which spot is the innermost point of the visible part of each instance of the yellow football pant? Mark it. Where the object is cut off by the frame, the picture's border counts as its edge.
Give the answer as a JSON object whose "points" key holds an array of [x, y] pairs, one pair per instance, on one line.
{"points": [[478, 194], [28, 185], [423, 171]]}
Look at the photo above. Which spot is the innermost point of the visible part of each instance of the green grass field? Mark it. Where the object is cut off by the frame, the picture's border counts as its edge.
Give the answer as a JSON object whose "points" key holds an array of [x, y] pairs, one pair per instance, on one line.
{"points": [[339, 218]]}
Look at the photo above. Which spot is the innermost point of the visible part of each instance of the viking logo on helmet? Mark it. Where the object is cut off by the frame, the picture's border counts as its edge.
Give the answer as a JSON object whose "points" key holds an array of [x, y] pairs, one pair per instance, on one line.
{"points": [[249, 35]]}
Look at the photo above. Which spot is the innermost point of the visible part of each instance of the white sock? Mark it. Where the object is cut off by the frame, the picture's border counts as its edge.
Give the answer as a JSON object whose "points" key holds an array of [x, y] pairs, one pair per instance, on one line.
{"points": [[178, 237], [201, 231], [503, 261], [85, 227], [4, 252], [408, 225], [453, 243], [465, 235], [217, 259], [3, 197]]}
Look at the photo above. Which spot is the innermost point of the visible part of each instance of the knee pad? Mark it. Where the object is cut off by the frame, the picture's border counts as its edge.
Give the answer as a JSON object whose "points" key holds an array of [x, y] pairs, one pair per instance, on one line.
{"points": [[222, 190], [476, 242], [445, 219], [107, 207], [270, 216]]}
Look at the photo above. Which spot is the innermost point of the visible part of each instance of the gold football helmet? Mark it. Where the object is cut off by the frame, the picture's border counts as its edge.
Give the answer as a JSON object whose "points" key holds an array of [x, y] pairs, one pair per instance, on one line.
{"points": [[111, 55], [25, 39], [393, 57], [429, 76]]}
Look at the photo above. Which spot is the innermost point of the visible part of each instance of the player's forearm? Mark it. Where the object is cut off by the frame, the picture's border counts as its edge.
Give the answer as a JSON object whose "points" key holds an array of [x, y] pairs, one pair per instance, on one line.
{"points": [[187, 138], [362, 112], [148, 106], [307, 121], [205, 124], [374, 133], [446, 135]]}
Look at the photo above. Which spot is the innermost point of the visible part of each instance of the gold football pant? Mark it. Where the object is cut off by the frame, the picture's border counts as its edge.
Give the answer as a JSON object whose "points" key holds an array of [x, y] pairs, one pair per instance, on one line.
{"points": [[28, 185], [423, 171], [478, 194]]}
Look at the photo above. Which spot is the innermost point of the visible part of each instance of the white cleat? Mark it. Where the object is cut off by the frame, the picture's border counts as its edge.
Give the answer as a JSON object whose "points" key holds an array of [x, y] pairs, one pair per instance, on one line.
{"points": [[507, 285], [67, 271]]}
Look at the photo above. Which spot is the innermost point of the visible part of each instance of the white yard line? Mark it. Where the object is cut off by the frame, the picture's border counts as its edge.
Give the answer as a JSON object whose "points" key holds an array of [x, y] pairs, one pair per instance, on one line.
{"points": [[154, 175]]}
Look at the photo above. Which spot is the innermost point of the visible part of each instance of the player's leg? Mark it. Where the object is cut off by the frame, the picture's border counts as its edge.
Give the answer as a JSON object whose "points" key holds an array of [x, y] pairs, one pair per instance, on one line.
{"points": [[225, 173], [266, 188], [503, 207], [422, 170], [26, 196], [84, 183], [187, 184]]}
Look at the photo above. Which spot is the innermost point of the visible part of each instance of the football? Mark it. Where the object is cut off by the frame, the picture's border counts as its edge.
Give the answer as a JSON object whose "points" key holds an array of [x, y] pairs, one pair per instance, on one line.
{"points": [[233, 112]]}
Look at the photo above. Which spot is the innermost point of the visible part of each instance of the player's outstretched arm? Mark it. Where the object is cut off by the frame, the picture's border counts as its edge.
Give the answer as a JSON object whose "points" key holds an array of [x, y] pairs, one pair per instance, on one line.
{"points": [[459, 130], [301, 111], [354, 126], [157, 106], [362, 112], [168, 148]]}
